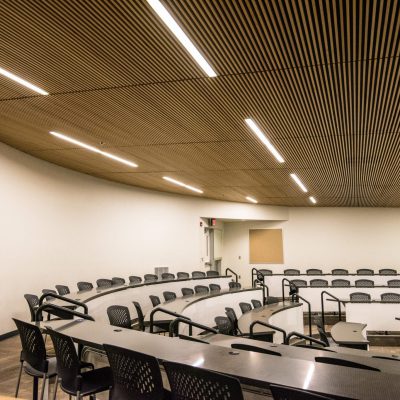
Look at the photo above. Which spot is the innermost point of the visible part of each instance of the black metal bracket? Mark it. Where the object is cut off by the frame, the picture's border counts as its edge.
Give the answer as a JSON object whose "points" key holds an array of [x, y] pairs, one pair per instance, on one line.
{"points": [[323, 306], [233, 272], [309, 313], [293, 289], [160, 309], [275, 328], [49, 306], [174, 326], [265, 288], [305, 337]]}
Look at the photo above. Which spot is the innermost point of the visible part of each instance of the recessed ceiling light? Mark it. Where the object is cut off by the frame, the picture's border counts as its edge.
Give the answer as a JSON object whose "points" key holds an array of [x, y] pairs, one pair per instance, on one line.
{"points": [[312, 199], [167, 178], [251, 199], [299, 182], [94, 149], [167, 18], [22, 82], [253, 126]]}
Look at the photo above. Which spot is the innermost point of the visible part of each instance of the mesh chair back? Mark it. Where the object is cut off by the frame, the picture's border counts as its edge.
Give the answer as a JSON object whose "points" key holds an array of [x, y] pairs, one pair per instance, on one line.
{"points": [[135, 279], [286, 393], [155, 300], [201, 289], [314, 271], [340, 271], [247, 347], [321, 330], [394, 283], [214, 287], [245, 307], [340, 283], [68, 365], [33, 345], [390, 297], [84, 286], [33, 303], [104, 283], [212, 273], [118, 281], [360, 297], [224, 325], [119, 316], [344, 363], [299, 282], [256, 303], [365, 271], [169, 296], [230, 313], [265, 272], [183, 275], [364, 283], [140, 315], [291, 271], [187, 291], [318, 283], [198, 274], [49, 291], [387, 271], [234, 285], [62, 290], [167, 276], [135, 375], [150, 278], [191, 383]]}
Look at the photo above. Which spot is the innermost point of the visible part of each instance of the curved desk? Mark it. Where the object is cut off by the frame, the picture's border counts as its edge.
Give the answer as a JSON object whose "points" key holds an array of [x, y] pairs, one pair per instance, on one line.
{"points": [[285, 315], [350, 334]]}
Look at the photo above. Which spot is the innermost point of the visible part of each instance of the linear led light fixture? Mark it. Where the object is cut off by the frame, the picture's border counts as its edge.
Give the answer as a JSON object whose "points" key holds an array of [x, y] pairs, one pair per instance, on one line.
{"points": [[312, 199], [299, 182], [22, 82], [94, 149], [251, 199], [167, 178], [167, 18], [254, 127]]}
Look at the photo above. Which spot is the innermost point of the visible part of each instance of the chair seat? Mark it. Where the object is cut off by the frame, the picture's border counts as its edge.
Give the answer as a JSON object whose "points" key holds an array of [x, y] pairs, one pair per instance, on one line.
{"points": [[52, 369]]}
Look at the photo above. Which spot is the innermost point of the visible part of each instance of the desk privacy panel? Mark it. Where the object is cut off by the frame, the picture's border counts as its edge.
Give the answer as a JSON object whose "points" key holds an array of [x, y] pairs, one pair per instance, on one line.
{"points": [[266, 246]]}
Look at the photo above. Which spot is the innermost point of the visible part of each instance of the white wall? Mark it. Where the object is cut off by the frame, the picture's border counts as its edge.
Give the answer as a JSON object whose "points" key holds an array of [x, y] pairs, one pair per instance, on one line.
{"points": [[324, 238], [59, 227]]}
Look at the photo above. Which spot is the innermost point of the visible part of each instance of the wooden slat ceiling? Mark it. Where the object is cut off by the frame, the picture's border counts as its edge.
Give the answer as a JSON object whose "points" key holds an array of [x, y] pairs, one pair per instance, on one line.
{"points": [[321, 78]]}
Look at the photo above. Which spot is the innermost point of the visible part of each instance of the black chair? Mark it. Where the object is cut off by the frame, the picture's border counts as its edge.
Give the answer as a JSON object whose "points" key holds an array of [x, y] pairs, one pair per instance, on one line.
{"points": [[104, 283], [150, 278], [135, 279], [323, 336], [299, 282], [318, 283], [141, 325], [224, 325], [135, 375], [364, 283], [169, 296], [245, 307], [84, 286], [201, 289], [265, 272], [291, 271], [365, 271], [214, 287], [33, 359], [33, 304], [191, 383], [394, 283], [314, 271], [387, 271], [69, 368], [167, 276], [49, 291], [390, 297], [247, 347], [198, 274], [340, 271], [212, 273], [62, 290], [285, 393], [118, 281], [155, 300], [182, 275], [119, 316], [256, 303], [234, 285], [344, 363], [360, 297], [187, 291], [231, 314], [340, 283]]}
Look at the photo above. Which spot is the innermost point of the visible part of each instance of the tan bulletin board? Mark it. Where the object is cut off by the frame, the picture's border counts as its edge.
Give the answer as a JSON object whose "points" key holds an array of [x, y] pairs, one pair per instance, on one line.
{"points": [[266, 246]]}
